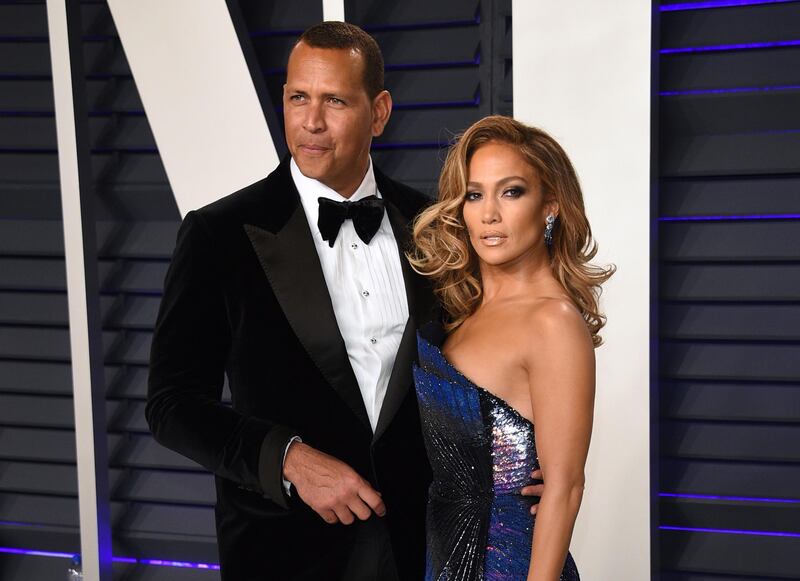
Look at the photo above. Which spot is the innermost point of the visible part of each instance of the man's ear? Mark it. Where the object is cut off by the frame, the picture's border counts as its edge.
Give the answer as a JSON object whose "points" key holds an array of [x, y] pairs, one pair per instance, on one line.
{"points": [[381, 111]]}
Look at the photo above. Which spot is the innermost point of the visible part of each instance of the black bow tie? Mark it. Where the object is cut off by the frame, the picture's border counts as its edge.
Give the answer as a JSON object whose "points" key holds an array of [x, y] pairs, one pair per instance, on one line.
{"points": [[366, 215]]}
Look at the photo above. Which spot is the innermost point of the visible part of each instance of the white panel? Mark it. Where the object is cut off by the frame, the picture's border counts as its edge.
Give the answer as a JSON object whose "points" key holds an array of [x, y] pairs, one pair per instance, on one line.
{"points": [[582, 72], [333, 10], [198, 95], [92, 500]]}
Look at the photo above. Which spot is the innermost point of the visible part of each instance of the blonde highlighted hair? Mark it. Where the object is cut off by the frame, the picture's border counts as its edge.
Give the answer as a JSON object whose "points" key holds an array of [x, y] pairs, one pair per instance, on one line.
{"points": [[442, 247]]}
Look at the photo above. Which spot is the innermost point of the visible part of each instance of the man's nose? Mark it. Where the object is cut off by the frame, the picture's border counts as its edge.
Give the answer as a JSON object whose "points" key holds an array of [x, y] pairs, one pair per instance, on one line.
{"points": [[314, 121]]}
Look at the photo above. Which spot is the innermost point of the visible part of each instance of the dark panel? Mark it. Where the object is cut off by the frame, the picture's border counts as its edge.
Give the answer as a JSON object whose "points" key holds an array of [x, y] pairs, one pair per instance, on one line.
{"points": [[730, 401], [737, 25], [733, 154], [37, 445], [745, 322], [730, 241], [730, 196], [737, 515], [431, 127], [139, 239], [29, 477], [159, 486], [272, 17], [730, 441], [730, 282], [734, 554], [371, 14], [39, 509], [426, 87], [730, 361], [124, 275], [29, 377], [728, 478], [715, 70], [728, 113], [24, 568]]}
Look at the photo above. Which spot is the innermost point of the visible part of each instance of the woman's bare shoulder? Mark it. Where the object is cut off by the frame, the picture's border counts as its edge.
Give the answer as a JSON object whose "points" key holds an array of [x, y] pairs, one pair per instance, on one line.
{"points": [[551, 323]]}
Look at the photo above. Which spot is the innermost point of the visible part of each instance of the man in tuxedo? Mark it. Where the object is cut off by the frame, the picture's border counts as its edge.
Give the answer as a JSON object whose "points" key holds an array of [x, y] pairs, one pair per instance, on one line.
{"points": [[297, 289]]}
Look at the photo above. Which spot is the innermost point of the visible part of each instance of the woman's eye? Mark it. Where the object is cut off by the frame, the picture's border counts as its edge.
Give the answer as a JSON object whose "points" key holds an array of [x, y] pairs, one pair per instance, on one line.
{"points": [[470, 196], [513, 192]]}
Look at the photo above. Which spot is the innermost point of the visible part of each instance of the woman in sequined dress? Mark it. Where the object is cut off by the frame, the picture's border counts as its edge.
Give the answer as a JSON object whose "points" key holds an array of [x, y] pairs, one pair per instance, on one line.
{"points": [[507, 246]]}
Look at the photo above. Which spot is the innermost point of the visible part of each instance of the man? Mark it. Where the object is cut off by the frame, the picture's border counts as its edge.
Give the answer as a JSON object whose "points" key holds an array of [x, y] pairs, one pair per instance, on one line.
{"points": [[309, 307]]}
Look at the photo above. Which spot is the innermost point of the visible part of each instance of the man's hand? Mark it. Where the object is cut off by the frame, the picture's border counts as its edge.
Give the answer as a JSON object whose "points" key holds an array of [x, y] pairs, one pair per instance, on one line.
{"points": [[534, 489], [330, 487]]}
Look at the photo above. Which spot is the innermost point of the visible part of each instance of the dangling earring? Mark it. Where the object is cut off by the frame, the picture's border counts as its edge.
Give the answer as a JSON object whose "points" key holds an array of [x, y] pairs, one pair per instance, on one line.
{"points": [[548, 230]]}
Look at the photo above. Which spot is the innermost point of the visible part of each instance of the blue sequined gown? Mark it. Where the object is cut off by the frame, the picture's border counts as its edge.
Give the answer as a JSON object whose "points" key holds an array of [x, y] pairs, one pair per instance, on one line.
{"points": [[482, 451]]}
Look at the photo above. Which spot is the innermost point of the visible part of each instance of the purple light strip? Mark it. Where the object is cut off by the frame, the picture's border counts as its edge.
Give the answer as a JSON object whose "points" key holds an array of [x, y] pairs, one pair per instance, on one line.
{"points": [[731, 532], [729, 90], [725, 47], [718, 4], [742, 217], [131, 560], [180, 564], [731, 498], [15, 551]]}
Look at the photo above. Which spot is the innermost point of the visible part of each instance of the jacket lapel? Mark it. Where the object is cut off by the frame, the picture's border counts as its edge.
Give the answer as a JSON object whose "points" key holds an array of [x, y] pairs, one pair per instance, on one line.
{"points": [[420, 301], [290, 262]]}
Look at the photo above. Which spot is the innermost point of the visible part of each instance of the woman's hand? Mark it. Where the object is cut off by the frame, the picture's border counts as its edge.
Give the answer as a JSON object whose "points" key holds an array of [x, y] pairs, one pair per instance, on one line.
{"points": [[534, 489]]}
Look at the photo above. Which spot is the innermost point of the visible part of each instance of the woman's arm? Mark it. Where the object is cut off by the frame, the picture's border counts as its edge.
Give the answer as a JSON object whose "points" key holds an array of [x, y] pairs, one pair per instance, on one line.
{"points": [[561, 373]]}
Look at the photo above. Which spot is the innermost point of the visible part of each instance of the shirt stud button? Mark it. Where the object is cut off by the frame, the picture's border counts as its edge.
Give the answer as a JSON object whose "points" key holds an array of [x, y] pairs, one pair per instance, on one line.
{"points": [[354, 246], [373, 340], [365, 293]]}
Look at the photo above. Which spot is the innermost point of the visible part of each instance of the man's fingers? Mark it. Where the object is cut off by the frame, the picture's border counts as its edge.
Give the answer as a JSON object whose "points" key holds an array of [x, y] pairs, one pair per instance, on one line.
{"points": [[329, 517], [344, 515], [359, 508], [533, 490], [373, 499]]}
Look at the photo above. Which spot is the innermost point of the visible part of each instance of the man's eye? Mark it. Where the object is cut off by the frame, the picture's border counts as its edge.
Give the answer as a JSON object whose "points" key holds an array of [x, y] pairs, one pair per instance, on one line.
{"points": [[296, 98], [336, 101]]}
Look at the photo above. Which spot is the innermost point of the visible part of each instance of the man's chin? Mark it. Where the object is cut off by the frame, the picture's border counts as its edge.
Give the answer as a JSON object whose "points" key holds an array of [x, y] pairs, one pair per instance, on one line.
{"points": [[311, 168]]}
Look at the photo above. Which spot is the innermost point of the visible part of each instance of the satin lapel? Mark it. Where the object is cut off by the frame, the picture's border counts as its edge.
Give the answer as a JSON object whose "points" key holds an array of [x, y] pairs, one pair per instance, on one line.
{"points": [[292, 267], [419, 303]]}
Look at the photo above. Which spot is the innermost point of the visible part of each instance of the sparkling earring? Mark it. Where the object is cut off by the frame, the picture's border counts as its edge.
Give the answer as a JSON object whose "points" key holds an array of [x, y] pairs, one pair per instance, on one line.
{"points": [[548, 230]]}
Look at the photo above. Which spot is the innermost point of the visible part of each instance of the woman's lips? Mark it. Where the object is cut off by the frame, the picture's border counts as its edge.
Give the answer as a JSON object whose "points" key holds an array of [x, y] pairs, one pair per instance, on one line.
{"points": [[493, 238]]}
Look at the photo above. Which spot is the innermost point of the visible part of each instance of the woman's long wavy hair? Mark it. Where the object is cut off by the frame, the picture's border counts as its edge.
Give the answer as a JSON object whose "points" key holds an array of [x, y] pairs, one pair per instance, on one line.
{"points": [[443, 250]]}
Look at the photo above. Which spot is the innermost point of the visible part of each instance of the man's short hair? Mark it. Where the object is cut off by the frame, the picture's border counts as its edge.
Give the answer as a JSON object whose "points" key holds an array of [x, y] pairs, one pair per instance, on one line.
{"points": [[342, 35]]}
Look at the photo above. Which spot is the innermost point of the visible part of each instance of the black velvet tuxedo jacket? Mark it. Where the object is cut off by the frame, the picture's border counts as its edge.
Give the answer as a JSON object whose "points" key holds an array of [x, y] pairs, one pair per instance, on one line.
{"points": [[245, 296]]}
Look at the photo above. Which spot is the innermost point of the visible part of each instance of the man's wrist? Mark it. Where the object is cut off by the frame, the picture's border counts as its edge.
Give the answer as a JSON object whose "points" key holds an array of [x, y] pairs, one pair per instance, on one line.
{"points": [[286, 479]]}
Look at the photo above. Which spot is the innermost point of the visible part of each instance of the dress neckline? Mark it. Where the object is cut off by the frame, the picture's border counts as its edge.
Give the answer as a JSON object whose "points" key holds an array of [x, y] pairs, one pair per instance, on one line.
{"points": [[477, 387]]}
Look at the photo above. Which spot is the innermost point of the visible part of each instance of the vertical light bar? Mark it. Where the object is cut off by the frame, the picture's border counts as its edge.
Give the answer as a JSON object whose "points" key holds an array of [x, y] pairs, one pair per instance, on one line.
{"points": [[333, 10], [582, 72], [86, 350]]}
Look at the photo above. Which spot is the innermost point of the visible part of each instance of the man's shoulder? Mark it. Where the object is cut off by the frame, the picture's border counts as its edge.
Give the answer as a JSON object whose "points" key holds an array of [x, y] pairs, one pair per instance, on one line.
{"points": [[253, 203]]}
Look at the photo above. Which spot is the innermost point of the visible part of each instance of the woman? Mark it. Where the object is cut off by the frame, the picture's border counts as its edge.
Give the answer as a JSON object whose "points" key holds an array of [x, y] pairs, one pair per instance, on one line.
{"points": [[507, 246]]}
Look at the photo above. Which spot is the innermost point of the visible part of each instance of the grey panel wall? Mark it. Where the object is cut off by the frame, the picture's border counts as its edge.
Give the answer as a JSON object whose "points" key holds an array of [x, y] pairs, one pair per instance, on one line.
{"points": [[162, 505], [38, 482], [729, 270]]}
